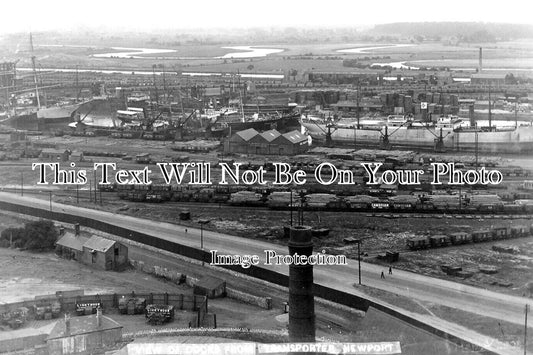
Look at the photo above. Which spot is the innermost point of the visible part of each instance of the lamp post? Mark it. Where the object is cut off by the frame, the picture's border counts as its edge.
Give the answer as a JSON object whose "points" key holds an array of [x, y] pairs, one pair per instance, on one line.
{"points": [[201, 222], [358, 241]]}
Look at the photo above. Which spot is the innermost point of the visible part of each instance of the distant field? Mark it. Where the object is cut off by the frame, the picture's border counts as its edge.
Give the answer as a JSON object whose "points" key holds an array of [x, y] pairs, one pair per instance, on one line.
{"points": [[198, 57]]}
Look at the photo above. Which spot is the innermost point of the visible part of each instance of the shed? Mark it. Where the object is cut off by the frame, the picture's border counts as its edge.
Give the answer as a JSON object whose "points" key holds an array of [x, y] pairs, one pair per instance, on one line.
{"points": [[239, 142], [290, 143], [55, 154], [267, 137], [76, 155], [70, 246], [104, 253], [84, 335], [211, 287]]}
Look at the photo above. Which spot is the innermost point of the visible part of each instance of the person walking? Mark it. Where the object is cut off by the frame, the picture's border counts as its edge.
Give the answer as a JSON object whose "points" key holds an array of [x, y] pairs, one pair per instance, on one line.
{"points": [[390, 270], [382, 275]]}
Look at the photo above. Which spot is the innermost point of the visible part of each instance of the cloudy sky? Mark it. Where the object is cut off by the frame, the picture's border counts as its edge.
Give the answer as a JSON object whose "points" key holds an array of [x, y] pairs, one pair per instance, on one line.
{"points": [[36, 15]]}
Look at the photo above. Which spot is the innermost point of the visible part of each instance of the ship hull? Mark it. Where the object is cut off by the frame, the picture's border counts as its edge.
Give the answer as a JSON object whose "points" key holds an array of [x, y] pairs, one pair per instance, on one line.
{"points": [[519, 140]]}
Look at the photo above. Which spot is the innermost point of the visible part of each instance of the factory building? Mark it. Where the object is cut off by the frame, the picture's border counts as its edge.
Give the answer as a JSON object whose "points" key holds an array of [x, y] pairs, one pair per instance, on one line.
{"points": [[269, 142], [495, 80], [345, 77]]}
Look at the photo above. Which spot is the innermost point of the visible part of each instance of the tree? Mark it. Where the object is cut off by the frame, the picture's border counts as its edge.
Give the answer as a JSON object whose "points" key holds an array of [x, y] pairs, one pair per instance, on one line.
{"points": [[37, 235], [40, 235], [250, 67]]}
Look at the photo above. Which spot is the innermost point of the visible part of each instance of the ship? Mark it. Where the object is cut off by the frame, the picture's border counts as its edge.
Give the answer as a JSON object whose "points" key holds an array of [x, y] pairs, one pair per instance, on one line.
{"points": [[225, 125], [447, 133]]}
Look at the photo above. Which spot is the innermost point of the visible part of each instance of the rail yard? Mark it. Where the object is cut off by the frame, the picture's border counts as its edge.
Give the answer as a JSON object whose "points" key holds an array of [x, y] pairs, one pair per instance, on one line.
{"points": [[412, 155]]}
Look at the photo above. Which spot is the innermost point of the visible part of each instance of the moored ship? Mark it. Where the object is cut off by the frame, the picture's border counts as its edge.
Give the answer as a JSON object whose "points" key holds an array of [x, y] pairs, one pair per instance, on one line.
{"points": [[445, 134]]}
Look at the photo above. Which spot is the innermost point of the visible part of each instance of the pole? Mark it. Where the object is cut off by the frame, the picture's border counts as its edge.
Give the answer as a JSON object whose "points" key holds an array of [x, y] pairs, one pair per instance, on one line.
{"points": [[290, 207], [202, 241], [201, 236], [359, 258], [50, 201], [77, 194], [21, 183], [477, 151], [95, 191], [525, 330]]}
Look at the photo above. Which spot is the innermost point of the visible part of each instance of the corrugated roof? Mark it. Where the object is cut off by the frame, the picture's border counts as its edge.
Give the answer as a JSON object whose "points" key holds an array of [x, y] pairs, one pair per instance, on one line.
{"points": [[295, 136], [82, 325], [69, 240], [99, 244], [247, 134], [269, 136]]}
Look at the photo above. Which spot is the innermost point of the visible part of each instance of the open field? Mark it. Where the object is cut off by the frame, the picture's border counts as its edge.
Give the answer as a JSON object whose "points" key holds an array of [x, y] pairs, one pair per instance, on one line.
{"points": [[201, 57]]}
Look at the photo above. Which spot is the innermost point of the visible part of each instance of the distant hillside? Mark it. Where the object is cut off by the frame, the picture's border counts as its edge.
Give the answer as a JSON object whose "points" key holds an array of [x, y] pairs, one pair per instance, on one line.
{"points": [[464, 31]]}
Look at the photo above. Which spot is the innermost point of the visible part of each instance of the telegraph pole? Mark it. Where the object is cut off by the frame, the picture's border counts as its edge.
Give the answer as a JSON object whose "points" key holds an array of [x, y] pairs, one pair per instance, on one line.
{"points": [[525, 330]]}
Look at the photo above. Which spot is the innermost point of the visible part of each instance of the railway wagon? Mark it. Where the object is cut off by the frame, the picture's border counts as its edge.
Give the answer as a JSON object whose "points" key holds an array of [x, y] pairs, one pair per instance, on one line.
{"points": [[519, 231], [501, 233], [482, 235], [418, 243], [460, 238], [440, 240]]}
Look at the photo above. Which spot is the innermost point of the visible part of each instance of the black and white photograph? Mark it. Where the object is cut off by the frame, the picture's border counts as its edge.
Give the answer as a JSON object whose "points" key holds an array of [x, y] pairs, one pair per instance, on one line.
{"points": [[266, 177]]}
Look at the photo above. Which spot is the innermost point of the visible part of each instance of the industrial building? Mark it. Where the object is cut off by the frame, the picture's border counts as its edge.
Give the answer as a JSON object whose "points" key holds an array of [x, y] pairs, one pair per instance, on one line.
{"points": [[495, 80], [102, 253], [84, 335], [270, 142]]}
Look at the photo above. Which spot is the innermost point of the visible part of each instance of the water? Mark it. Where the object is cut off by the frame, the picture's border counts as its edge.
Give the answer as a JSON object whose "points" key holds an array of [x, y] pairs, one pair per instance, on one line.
{"points": [[140, 53], [369, 49], [251, 52], [148, 72]]}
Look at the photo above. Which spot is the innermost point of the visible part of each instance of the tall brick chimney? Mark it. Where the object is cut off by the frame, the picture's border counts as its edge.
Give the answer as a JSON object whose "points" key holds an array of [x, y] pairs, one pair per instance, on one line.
{"points": [[301, 297]]}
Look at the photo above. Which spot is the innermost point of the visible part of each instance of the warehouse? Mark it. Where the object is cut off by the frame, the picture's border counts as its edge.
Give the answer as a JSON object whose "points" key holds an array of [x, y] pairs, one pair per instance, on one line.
{"points": [[495, 80], [269, 142]]}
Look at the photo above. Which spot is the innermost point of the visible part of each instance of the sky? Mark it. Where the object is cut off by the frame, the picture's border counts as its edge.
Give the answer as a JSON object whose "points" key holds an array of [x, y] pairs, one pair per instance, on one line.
{"points": [[43, 15]]}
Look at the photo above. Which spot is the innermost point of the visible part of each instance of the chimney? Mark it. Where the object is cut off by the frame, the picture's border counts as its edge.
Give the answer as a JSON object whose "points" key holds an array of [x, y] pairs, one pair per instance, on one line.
{"points": [[480, 59], [77, 229], [67, 324], [98, 317], [301, 297], [61, 231]]}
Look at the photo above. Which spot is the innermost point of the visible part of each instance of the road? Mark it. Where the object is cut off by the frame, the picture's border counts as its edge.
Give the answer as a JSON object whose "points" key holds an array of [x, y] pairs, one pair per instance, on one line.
{"points": [[341, 277]]}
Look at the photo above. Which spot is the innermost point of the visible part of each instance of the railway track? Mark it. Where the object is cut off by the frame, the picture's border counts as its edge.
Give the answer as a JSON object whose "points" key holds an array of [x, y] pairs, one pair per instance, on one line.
{"points": [[107, 197]]}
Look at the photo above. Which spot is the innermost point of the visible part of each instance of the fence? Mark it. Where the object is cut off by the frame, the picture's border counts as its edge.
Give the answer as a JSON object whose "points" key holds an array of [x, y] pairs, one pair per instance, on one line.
{"points": [[193, 303], [271, 276]]}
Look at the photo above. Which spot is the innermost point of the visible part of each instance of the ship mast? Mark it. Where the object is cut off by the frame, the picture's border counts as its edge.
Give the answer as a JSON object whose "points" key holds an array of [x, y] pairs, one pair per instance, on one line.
{"points": [[34, 72], [490, 112]]}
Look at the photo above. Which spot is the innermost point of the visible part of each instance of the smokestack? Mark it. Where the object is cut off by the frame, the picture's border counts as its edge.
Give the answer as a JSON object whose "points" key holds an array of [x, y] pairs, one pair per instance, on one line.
{"points": [[98, 317], [471, 116], [67, 324], [480, 59], [301, 298]]}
